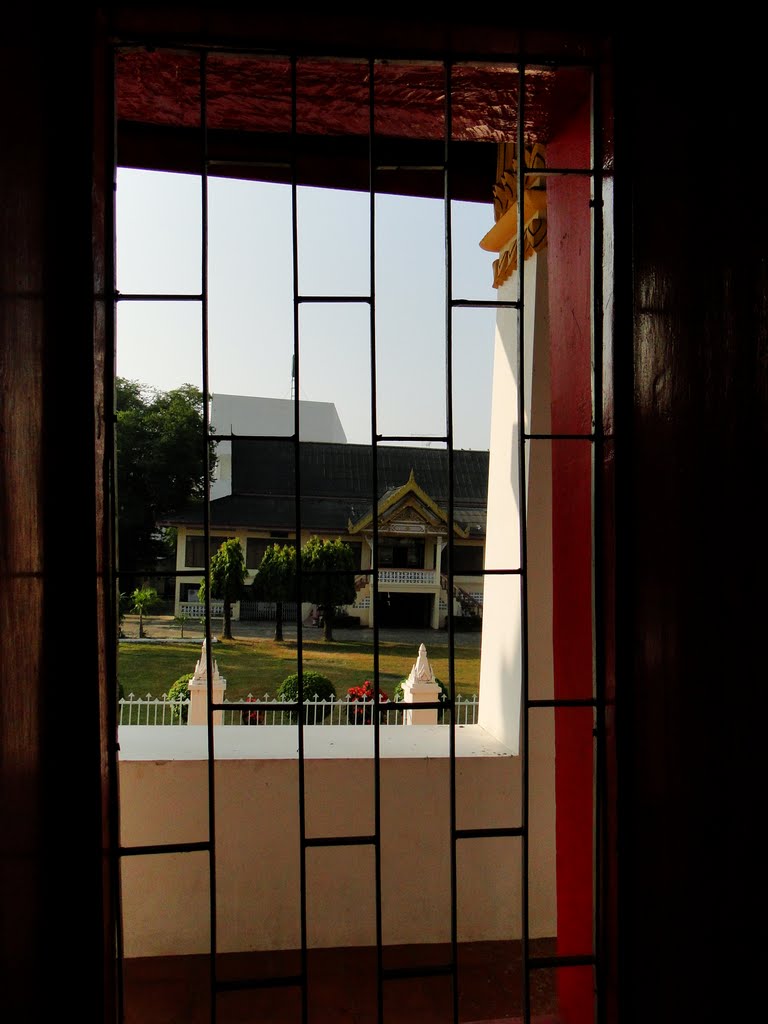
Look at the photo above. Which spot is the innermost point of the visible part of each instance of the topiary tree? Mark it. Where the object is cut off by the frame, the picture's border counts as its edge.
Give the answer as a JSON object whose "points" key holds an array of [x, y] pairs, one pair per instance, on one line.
{"points": [[328, 577], [178, 692], [315, 685], [143, 600], [228, 574], [276, 580]]}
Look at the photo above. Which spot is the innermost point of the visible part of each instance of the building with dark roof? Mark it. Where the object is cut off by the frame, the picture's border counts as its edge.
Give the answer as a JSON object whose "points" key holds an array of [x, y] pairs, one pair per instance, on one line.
{"points": [[337, 486]]}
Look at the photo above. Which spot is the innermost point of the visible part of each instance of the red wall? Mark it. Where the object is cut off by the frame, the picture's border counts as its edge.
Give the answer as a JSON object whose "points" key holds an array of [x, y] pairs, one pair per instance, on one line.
{"points": [[569, 247]]}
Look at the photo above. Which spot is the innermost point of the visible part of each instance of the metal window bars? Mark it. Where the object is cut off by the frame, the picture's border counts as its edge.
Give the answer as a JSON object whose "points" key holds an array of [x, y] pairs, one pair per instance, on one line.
{"points": [[594, 438]]}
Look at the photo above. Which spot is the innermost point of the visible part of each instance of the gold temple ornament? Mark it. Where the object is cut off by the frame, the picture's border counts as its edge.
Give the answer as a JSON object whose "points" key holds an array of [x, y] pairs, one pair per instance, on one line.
{"points": [[502, 237]]}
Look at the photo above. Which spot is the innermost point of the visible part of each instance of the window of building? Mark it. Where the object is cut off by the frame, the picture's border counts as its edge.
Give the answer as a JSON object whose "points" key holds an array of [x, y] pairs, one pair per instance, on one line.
{"points": [[195, 550], [401, 553], [254, 551], [190, 592]]}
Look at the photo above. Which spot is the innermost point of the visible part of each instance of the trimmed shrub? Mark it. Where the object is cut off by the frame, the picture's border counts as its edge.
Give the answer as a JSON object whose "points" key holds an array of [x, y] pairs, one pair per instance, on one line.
{"points": [[315, 684], [177, 692]]}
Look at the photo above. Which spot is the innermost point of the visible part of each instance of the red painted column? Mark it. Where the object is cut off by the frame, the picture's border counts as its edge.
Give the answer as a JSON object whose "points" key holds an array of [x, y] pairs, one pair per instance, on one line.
{"points": [[569, 261]]}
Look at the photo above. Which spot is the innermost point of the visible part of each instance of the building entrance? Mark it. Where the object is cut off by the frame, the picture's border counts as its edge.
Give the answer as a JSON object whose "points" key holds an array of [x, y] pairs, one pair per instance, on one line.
{"points": [[402, 611]]}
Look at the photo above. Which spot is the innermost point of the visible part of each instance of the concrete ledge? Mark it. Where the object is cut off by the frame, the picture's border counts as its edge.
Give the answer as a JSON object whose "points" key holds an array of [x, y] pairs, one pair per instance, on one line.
{"points": [[165, 786], [279, 742]]}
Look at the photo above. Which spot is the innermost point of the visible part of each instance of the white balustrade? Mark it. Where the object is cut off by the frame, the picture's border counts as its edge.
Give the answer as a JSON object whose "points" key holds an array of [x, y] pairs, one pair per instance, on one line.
{"points": [[419, 577]]}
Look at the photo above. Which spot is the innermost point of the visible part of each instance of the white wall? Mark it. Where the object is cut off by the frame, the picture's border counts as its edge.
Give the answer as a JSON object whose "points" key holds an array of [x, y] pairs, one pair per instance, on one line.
{"points": [[163, 799], [501, 653]]}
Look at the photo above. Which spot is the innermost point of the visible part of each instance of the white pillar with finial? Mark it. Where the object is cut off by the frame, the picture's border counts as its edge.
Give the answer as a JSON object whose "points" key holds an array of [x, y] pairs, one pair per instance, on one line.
{"points": [[198, 692], [420, 687]]}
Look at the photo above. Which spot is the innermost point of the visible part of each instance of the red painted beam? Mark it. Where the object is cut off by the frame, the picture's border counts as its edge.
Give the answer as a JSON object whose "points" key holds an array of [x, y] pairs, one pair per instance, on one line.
{"points": [[569, 262]]}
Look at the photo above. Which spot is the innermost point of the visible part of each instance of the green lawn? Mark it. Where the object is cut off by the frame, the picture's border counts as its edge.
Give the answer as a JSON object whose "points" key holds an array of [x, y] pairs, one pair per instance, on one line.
{"points": [[257, 666]]}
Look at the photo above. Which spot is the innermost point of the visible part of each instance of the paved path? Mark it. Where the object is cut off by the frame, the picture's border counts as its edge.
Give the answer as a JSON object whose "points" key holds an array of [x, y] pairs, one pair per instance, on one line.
{"points": [[162, 627]]}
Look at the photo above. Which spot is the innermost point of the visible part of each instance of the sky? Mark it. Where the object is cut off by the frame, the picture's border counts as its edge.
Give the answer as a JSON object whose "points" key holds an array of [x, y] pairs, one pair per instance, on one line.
{"points": [[250, 319]]}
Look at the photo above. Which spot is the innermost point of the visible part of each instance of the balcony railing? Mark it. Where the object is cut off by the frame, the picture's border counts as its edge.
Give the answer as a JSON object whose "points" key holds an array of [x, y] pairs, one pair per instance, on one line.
{"points": [[422, 577]]}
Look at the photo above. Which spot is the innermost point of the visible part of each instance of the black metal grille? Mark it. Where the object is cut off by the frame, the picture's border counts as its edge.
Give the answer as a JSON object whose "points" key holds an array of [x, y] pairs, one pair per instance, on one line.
{"points": [[518, 833]]}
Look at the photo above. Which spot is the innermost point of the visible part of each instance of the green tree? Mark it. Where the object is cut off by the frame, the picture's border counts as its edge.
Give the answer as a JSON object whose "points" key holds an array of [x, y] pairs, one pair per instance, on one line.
{"points": [[143, 600], [228, 575], [161, 455], [276, 580], [177, 693], [181, 621], [328, 577]]}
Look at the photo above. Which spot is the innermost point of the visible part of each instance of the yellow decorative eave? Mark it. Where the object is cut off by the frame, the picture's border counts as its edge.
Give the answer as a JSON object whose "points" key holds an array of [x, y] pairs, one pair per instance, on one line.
{"points": [[503, 236], [409, 489], [505, 229]]}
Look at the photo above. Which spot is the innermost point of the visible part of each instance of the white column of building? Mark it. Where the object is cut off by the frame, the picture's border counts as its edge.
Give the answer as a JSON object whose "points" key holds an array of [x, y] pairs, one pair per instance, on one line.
{"points": [[500, 661]]}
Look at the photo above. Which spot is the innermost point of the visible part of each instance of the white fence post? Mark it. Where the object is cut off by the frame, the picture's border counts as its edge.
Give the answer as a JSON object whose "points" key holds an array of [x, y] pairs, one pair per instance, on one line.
{"points": [[198, 690], [419, 688]]}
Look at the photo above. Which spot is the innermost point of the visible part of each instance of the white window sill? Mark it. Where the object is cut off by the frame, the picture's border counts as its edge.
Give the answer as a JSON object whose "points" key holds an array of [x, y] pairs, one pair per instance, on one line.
{"points": [[279, 742]]}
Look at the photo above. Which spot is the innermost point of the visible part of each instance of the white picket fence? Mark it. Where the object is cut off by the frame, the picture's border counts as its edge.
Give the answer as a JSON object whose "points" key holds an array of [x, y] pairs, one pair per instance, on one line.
{"points": [[151, 710]]}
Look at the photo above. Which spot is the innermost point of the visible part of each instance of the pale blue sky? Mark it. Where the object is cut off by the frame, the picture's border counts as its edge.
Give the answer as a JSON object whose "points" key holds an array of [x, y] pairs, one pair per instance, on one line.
{"points": [[250, 299]]}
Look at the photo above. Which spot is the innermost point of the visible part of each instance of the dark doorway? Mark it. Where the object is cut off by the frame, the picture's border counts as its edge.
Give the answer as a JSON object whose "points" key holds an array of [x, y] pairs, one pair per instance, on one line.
{"points": [[401, 611]]}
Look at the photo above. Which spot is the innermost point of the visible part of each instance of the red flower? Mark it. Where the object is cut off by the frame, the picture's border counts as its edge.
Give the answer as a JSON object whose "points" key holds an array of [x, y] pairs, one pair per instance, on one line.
{"points": [[364, 693], [253, 717]]}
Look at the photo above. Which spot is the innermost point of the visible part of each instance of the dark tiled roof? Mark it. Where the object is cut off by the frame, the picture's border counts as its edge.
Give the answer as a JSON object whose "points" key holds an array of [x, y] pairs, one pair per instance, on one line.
{"points": [[336, 483], [266, 467]]}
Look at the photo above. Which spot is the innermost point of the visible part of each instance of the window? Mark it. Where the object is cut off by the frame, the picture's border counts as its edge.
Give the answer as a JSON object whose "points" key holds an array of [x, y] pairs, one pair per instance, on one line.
{"points": [[195, 550], [334, 317], [254, 551], [402, 553]]}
